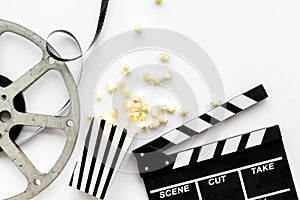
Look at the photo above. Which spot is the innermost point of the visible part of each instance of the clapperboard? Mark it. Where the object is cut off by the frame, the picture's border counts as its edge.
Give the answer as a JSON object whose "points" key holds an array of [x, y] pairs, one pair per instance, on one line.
{"points": [[251, 166]]}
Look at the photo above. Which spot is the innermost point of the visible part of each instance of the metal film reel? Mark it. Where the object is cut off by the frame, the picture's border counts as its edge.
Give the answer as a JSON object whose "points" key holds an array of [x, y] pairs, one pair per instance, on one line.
{"points": [[37, 181]]}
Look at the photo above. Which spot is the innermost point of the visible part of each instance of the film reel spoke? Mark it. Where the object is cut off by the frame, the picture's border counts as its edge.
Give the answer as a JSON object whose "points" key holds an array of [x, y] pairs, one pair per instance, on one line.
{"points": [[40, 120], [28, 78], [18, 157]]}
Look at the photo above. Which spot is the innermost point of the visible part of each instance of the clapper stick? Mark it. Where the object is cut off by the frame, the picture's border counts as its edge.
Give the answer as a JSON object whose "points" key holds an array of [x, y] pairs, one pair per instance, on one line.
{"points": [[150, 157]]}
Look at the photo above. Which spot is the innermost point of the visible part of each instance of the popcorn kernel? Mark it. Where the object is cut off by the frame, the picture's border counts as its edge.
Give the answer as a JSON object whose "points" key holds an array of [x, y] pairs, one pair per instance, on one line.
{"points": [[147, 76], [98, 96], [154, 124], [215, 103], [90, 117], [126, 69], [164, 56], [110, 88], [138, 28], [183, 111]]}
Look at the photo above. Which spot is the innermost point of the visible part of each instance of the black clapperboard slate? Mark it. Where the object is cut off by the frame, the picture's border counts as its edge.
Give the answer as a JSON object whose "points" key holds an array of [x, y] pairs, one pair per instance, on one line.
{"points": [[259, 172], [251, 166]]}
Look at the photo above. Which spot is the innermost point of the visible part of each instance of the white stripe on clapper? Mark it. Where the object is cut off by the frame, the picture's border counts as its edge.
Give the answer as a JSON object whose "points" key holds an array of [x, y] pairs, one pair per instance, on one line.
{"points": [[242, 102], [201, 125], [207, 151], [255, 138], [220, 113], [183, 158], [231, 145], [176, 136]]}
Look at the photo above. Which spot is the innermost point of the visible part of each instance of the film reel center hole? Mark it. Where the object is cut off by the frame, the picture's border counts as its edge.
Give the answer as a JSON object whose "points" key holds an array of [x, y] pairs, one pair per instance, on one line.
{"points": [[5, 116], [37, 182]]}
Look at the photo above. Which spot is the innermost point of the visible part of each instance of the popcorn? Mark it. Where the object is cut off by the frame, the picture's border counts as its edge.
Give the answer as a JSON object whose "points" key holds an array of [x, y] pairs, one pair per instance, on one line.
{"points": [[157, 80], [121, 84], [215, 103], [163, 121], [138, 28], [101, 116], [110, 88], [126, 69], [169, 75], [143, 116], [164, 56], [134, 116], [183, 111], [98, 96], [163, 108], [145, 107], [144, 126], [136, 107], [147, 76], [154, 124], [137, 98], [154, 114], [90, 117], [171, 110], [126, 93], [114, 113]]}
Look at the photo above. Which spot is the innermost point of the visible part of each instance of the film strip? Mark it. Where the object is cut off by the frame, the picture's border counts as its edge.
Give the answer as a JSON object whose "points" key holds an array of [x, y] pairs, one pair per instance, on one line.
{"points": [[150, 157], [104, 149], [252, 166]]}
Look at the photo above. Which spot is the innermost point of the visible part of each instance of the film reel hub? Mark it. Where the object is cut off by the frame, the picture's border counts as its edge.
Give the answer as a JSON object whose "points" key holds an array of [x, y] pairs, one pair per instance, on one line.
{"points": [[6, 107]]}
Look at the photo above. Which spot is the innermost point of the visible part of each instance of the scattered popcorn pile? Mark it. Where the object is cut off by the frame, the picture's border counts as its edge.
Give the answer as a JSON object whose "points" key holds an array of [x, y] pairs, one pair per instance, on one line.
{"points": [[140, 112]]}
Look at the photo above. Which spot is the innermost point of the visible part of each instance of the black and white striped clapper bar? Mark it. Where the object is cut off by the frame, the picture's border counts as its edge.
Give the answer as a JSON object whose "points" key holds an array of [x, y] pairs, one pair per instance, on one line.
{"points": [[252, 166], [150, 157]]}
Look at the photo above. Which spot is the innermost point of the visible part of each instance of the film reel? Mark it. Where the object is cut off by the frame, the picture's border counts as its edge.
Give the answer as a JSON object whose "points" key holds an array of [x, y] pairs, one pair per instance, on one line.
{"points": [[69, 124]]}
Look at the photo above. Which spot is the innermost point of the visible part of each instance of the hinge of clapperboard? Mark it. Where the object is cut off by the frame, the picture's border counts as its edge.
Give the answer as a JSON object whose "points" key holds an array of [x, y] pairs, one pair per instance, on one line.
{"points": [[151, 157]]}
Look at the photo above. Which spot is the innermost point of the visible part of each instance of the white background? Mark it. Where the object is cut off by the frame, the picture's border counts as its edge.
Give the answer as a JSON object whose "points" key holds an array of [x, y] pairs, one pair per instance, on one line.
{"points": [[250, 42]]}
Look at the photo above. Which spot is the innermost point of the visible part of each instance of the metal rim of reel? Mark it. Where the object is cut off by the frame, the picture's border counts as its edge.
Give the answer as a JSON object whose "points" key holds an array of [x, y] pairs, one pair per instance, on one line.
{"points": [[36, 180]]}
